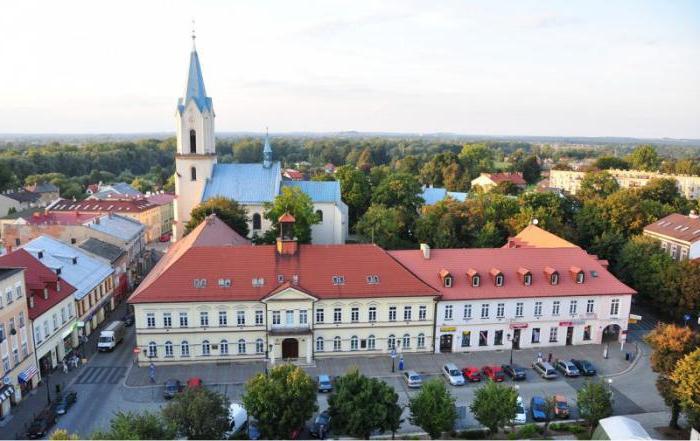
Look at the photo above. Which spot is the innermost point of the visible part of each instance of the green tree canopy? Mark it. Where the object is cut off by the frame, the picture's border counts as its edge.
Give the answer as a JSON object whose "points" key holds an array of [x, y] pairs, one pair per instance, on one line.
{"points": [[611, 162], [297, 203], [476, 158], [381, 225], [229, 211], [136, 426], [444, 224], [355, 191], [198, 414], [532, 170], [597, 185], [594, 402], [433, 408], [644, 157], [494, 405], [686, 379]]}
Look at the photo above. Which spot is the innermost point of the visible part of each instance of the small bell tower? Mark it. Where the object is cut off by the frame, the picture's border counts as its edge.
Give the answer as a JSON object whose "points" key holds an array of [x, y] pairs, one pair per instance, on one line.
{"points": [[286, 243]]}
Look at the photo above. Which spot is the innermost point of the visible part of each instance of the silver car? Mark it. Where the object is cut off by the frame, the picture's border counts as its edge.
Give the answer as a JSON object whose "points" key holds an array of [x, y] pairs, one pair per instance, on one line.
{"points": [[413, 379], [545, 370], [454, 376]]}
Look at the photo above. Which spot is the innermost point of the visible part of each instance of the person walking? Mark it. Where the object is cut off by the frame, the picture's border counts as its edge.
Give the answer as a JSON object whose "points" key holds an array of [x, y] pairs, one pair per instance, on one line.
{"points": [[549, 358], [539, 357]]}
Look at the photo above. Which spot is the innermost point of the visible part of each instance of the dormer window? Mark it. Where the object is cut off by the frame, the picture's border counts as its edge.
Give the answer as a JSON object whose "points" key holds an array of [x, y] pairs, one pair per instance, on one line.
{"points": [[497, 275], [499, 280], [525, 276], [476, 280], [552, 275], [473, 276], [554, 278], [338, 280], [200, 283], [527, 280], [446, 278], [373, 279], [577, 274]]}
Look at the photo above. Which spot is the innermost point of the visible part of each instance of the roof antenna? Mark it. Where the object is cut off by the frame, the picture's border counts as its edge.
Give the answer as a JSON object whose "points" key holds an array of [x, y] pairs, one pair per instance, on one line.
{"points": [[193, 36]]}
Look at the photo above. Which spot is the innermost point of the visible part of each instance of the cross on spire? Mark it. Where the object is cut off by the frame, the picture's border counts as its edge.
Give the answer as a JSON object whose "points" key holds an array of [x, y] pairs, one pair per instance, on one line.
{"points": [[194, 36]]}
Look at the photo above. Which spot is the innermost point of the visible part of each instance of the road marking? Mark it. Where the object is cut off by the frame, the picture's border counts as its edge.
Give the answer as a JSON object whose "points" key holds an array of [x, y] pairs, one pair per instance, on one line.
{"points": [[101, 375]]}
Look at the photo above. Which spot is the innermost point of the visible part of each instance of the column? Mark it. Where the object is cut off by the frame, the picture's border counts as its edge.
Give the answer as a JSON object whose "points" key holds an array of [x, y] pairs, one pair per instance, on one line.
{"points": [[308, 349]]}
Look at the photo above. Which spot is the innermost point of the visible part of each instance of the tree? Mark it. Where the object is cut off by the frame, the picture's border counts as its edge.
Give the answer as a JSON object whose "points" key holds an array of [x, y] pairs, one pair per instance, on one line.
{"points": [[531, 170], [8, 179], [550, 404], [297, 203], [433, 408], [132, 425], [506, 188], [642, 264], [355, 191], [611, 162], [669, 344], [281, 401], [443, 224], [594, 403], [229, 211], [644, 157], [686, 377], [360, 405], [198, 414], [381, 225], [494, 405], [475, 159], [365, 162], [597, 185], [401, 191], [62, 435]]}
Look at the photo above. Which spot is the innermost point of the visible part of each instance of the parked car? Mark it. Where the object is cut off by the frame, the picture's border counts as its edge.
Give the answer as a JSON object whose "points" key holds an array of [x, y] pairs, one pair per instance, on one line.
{"points": [[253, 431], [471, 373], [324, 383], [561, 407], [567, 368], [545, 370], [413, 379], [194, 383], [585, 367], [237, 421], [538, 409], [321, 425], [164, 237], [41, 425], [520, 415], [454, 376], [172, 388], [65, 402], [514, 371], [494, 373]]}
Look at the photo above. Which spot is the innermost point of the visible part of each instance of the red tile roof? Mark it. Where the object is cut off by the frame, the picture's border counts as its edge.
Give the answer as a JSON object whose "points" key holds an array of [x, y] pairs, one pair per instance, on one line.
{"points": [[60, 218], [294, 175], [161, 198], [37, 277], [533, 236], [677, 226], [515, 178], [102, 206], [215, 232], [508, 261]]}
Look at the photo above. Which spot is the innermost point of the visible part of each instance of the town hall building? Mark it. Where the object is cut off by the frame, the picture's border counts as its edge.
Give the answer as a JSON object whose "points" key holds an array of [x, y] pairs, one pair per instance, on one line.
{"points": [[198, 177]]}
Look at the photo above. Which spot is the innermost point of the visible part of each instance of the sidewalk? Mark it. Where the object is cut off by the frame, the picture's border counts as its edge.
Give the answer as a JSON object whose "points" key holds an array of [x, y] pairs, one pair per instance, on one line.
{"points": [[24, 412], [380, 365]]}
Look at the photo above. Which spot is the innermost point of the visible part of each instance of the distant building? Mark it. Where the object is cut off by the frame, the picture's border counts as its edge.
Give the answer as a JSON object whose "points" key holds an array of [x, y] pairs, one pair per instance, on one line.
{"points": [[433, 195], [487, 181], [46, 190], [533, 236], [293, 174], [117, 190], [166, 202], [678, 235]]}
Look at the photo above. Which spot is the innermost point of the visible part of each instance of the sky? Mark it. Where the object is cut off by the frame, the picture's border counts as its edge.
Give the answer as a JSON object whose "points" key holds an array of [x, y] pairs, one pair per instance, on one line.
{"points": [[559, 68]]}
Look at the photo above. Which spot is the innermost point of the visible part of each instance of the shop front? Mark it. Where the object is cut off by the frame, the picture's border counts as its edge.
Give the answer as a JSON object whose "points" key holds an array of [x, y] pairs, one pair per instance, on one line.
{"points": [[7, 398], [28, 379]]}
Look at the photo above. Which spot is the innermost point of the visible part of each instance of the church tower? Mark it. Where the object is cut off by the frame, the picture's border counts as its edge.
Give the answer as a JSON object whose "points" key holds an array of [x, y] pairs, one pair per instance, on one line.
{"points": [[196, 149]]}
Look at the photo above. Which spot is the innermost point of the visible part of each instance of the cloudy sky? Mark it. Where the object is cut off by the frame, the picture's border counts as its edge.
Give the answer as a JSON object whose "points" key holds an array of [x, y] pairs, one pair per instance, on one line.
{"points": [[590, 68]]}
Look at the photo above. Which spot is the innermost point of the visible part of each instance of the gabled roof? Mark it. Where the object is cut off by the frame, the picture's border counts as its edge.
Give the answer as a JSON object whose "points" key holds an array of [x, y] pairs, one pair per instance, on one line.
{"points": [[677, 226], [195, 90], [42, 187], [244, 183], [161, 198], [318, 191], [121, 227], [515, 178], [533, 236], [37, 277], [214, 232], [102, 206], [24, 196], [598, 281], [111, 253]]}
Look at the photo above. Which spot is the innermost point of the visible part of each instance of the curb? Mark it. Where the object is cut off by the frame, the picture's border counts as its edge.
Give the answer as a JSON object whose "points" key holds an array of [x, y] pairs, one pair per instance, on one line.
{"points": [[633, 364]]}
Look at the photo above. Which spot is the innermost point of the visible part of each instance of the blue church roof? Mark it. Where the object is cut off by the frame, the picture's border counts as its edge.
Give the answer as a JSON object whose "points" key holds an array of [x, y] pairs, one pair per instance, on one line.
{"points": [[245, 183], [195, 86], [318, 191], [432, 195]]}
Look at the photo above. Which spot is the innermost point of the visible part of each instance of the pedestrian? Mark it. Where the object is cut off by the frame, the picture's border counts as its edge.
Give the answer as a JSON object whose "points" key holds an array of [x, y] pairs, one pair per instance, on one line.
{"points": [[152, 372], [549, 358], [65, 367], [539, 357]]}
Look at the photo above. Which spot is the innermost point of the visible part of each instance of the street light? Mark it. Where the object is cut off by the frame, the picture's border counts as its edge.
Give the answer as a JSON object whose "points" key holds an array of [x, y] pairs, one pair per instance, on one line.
{"points": [[610, 381]]}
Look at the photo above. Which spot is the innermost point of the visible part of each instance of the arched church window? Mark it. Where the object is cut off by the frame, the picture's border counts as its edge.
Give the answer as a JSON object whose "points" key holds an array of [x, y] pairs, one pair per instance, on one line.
{"points": [[193, 141], [257, 221], [193, 174], [319, 213]]}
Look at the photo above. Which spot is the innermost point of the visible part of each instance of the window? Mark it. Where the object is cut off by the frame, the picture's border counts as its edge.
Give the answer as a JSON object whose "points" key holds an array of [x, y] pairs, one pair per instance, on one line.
{"points": [[152, 349], [8, 296], [338, 280], [47, 333], [257, 221], [553, 334], [420, 341], [615, 307], [499, 280], [18, 291], [535, 335], [289, 318], [319, 344], [466, 339], [501, 310], [21, 319], [447, 281], [150, 320], [184, 349], [527, 279], [303, 317], [241, 346], [276, 318], [422, 312], [554, 278], [448, 312], [483, 338], [168, 349], [259, 346], [354, 343], [406, 341], [337, 344], [355, 314], [407, 313], [6, 363], [258, 317], [391, 342], [193, 174], [519, 309], [167, 320], [590, 306], [206, 348], [485, 311], [223, 347], [319, 214], [204, 318], [193, 141], [467, 312], [240, 318], [37, 333], [498, 338], [538, 309], [183, 319], [371, 343], [392, 313], [70, 310], [372, 315], [223, 318], [579, 277], [373, 279], [572, 307], [555, 307], [337, 315], [587, 332], [475, 281], [319, 315]]}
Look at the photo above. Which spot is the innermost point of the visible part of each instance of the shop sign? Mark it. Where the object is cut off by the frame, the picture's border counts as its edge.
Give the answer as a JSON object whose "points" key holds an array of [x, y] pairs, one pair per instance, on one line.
{"points": [[448, 329], [566, 323], [80, 324], [518, 325]]}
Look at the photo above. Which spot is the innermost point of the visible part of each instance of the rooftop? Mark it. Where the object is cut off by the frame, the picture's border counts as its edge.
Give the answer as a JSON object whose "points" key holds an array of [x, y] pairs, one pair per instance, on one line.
{"points": [[245, 183], [161, 198], [433, 195], [8, 272], [107, 251], [122, 227], [677, 226], [60, 218], [42, 187], [515, 178], [23, 196], [318, 191], [533, 236], [102, 206]]}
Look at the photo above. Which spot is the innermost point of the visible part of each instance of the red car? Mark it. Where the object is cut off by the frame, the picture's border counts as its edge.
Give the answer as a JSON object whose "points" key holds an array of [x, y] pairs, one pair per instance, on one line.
{"points": [[495, 373], [471, 373], [194, 383], [164, 237]]}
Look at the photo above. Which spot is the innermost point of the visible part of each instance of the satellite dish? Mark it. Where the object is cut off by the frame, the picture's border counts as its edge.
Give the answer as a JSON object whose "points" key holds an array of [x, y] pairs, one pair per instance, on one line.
{"points": [[535, 222]]}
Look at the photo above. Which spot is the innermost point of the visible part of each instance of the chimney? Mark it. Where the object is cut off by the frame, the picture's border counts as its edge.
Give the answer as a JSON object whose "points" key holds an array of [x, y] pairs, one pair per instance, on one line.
{"points": [[31, 301], [40, 255], [287, 243], [425, 249], [58, 285], [693, 214], [46, 293]]}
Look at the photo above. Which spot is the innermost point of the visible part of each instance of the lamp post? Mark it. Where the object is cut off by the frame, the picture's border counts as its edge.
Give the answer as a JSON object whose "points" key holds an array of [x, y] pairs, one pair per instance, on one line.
{"points": [[610, 381], [510, 339], [48, 389]]}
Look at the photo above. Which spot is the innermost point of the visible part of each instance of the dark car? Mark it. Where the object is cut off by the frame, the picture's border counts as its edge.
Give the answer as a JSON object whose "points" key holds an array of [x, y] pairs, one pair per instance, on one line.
{"points": [[585, 367], [65, 402], [495, 373], [324, 383], [41, 425], [172, 388], [128, 319], [322, 424], [514, 371], [538, 409]]}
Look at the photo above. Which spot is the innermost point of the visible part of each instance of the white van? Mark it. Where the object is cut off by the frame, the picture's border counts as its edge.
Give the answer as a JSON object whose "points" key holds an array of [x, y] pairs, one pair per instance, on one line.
{"points": [[237, 418], [111, 336]]}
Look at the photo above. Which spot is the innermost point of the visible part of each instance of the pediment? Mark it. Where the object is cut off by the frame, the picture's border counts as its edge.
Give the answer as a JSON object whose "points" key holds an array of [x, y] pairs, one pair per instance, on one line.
{"points": [[289, 294]]}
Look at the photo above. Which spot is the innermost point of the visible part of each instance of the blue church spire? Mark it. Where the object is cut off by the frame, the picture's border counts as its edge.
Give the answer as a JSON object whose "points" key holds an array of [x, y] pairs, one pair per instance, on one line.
{"points": [[267, 151], [195, 84]]}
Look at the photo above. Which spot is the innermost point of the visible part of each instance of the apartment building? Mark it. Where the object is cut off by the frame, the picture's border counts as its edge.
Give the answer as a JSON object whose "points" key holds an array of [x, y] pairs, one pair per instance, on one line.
{"points": [[570, 181], [678, 235]]}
